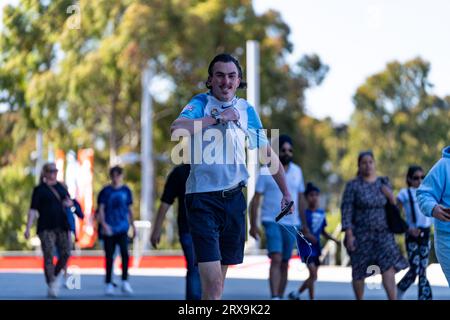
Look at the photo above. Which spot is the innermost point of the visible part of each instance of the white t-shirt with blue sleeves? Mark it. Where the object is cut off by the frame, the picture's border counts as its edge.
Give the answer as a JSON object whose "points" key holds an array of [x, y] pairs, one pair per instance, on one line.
{"points": [[217, 154]]}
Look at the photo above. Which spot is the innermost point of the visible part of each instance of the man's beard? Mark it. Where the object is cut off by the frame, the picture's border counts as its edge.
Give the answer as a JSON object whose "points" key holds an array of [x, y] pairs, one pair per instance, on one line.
{"points": [[285, 160]]}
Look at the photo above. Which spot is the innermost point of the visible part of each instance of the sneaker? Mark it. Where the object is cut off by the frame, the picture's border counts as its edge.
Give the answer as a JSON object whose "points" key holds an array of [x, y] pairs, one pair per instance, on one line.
{"points": [[126, 287], [276, 298], [294, 295], [109, 290], [53, 287]]}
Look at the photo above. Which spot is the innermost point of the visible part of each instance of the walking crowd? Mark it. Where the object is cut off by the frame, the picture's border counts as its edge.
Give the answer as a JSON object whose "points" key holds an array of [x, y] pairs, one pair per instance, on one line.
{"points": [[212, 208]]}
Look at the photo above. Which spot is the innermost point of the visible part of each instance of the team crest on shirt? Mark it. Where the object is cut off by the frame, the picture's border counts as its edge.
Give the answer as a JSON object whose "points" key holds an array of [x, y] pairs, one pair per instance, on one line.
{"points": [[188, 108]]}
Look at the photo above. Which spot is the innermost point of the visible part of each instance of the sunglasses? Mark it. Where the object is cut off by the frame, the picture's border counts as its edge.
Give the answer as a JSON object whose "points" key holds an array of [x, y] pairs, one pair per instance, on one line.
{"points": [[286, 150], [417, 178], [52, 170]]}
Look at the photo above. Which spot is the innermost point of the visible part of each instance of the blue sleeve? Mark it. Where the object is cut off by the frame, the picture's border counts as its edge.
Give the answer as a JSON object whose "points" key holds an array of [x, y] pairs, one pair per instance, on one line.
{"points": [[430, 191], [195, 108], [130, 197], [102, 197], [256, 135]]}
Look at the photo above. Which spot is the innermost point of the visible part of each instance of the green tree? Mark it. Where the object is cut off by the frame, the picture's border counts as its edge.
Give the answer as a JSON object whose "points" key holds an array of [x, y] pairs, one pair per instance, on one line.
{"points": [[399, 118], [82, 85]]}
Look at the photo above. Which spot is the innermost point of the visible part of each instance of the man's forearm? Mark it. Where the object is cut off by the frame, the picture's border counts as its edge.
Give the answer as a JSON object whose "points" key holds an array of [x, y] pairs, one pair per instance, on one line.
{"points": [[253, 213], [192, 125], [280, 179], [162, 211], [101, 216]]}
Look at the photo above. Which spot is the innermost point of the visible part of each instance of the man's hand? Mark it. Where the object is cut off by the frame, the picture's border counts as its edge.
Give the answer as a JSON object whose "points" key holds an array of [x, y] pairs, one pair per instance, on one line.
{"points": [[155, 237], [285, 201], [441, 213], [230, 114], [27, 233], [107, 229], [255, 232]]}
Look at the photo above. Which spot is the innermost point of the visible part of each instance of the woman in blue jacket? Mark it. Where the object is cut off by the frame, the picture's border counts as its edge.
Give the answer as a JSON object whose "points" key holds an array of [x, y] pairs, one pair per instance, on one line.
{"points": [[434, 200]]}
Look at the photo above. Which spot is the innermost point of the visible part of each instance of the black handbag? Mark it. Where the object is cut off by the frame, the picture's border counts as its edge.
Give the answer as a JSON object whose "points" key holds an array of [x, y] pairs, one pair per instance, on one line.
{"points": [[394, 219]]}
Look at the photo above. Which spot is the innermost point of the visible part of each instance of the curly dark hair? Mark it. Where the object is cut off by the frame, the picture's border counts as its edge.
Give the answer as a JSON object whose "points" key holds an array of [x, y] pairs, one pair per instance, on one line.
{"points": [[225, 57]]}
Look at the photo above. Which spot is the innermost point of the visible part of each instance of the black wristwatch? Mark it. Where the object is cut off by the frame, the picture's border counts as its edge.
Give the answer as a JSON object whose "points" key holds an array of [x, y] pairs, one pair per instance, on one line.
{"points": [[216, 116]]}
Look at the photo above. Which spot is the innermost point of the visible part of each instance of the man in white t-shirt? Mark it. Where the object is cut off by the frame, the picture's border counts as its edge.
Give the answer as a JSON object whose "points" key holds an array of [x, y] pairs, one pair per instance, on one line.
{"points": [[218, 123], [280, 237]]}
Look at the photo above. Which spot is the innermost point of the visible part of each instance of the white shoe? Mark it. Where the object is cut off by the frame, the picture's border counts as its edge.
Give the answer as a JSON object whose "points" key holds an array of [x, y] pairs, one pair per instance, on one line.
{"points": [[53, 287], [276, 298], [294, 295], [126, 288], [109, 290]]}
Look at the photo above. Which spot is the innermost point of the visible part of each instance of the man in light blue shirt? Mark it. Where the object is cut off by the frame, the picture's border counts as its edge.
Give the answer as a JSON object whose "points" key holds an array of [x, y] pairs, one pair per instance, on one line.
{"points": [[433, 196], [218, 124]]}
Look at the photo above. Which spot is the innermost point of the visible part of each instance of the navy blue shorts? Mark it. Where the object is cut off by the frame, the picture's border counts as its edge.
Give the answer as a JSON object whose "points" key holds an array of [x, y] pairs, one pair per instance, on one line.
{"points": [[217, 225]]}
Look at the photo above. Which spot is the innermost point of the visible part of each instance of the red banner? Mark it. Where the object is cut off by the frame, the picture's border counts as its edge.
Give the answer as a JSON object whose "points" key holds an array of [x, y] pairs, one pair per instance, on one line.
{"points": [[59, 161], [85, 196]]}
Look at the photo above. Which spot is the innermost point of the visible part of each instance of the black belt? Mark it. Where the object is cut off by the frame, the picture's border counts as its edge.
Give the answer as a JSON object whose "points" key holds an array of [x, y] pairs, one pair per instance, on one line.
{"points": [[228, 192]]}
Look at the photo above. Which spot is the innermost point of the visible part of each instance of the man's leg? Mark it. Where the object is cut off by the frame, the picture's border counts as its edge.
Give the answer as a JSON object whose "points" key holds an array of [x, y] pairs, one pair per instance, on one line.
{"points": [[283, 277], [274, 243], [122, 241], [212, 279], [275, 274], [193, 285], [109, 247]]}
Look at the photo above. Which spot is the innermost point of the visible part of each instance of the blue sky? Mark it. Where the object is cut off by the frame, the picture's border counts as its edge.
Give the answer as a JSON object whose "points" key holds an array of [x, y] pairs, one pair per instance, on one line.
{"points": [[356, 38]]}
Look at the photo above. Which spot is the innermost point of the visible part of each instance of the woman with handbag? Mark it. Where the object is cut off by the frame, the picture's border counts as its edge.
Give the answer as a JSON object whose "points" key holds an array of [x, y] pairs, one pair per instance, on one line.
{"points": [[368, 239], [417, 238], [48, 204]]}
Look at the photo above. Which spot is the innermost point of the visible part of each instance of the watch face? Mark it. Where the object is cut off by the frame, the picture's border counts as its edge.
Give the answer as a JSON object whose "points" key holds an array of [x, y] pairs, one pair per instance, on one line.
{"points": [[214, 112]]}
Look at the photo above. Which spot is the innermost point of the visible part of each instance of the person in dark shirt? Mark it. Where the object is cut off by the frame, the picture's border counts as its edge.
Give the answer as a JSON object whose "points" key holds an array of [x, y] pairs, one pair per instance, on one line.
{"points": [[116, 218], [49, 202], [175, 188]]}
